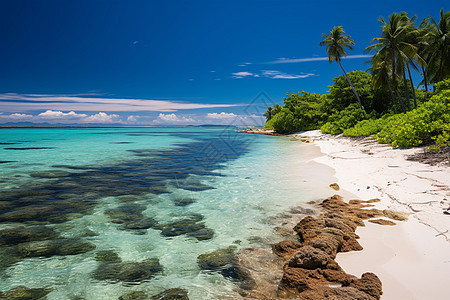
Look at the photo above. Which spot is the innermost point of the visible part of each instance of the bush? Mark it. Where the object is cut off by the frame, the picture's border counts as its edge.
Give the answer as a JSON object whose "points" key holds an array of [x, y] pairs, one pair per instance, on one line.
{"points": [[344, 119], [284, 121], [365, 128], [428, 123]]}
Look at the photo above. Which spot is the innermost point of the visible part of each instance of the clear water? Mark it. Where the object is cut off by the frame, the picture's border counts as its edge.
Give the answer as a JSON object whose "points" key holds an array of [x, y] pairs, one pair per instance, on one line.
{"points": [[76, 176]]}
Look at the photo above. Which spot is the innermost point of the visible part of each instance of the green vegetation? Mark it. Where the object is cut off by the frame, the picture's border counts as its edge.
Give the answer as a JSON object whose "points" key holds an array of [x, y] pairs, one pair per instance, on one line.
{"points": [[378, 103]]}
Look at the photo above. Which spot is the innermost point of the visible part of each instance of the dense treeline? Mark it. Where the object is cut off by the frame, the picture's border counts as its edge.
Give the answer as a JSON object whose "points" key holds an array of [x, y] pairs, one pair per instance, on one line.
{"points": [[383, 100]]}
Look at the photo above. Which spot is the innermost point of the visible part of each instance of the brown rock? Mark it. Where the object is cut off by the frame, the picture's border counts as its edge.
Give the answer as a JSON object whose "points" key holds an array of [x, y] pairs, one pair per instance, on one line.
{"points": [[369, 284], [345, 293], [309, 258], [395, 215], [382, 222], [286, 248], [334, 186]]}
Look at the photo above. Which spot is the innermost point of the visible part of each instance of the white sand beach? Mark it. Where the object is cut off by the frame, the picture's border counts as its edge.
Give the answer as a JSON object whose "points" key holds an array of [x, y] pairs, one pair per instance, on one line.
{"points": [[412, 259]]}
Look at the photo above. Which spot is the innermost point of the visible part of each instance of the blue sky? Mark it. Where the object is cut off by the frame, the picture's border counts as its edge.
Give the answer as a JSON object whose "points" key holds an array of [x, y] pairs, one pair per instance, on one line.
{"points": [[173, 62]]}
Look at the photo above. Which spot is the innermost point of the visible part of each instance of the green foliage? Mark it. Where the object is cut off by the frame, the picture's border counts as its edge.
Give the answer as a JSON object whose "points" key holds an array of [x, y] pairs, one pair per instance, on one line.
{"points": [[428, 124], [284, 121], [269, 124], [365, 128], [344, 119]]}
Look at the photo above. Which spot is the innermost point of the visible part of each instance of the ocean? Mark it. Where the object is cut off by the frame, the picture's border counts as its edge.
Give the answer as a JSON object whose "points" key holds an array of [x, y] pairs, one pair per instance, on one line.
{"points": [[94, 213]]}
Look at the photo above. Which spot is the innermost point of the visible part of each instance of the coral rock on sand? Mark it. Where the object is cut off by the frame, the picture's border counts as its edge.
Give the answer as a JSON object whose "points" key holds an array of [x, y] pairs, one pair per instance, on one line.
{"points": [[310, 271], [382, 222], [334, 186], [21, 292]]}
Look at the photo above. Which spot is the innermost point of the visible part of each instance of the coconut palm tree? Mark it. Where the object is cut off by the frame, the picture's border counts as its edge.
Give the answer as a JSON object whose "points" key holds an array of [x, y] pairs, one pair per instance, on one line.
{"points": [[336, 44], [380, 74], [437, 51], [399, 53]]}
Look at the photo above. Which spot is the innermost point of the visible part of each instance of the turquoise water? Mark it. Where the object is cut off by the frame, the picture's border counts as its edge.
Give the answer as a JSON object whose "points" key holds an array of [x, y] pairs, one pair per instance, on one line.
{"points": [[166, 194]]}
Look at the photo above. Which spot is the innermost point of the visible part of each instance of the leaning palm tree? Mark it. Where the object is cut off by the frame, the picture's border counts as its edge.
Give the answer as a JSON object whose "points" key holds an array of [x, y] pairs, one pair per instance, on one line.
{"points": [[437, 52], [336, 42]]}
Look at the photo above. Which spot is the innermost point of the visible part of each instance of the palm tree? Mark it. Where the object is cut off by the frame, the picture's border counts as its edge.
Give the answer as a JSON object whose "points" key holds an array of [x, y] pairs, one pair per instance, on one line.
{"points": [[336, 42], [380, 74], [399, 53], [437, 50]]}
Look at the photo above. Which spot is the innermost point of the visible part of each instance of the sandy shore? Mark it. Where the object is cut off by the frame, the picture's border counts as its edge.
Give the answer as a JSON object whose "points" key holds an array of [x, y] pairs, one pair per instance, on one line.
{"points": [[412, 259]]}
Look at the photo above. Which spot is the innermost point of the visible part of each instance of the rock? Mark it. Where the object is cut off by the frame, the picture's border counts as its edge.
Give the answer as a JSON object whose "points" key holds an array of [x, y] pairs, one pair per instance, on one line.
{"points": [[54, 247], [382, 222], [334, 186], [179, 230], [21, 234], [88, 233], [183, 202], [107, 256], [369, 284], [216, 259], [395, 215], [128, 271], [329, 243], [311, 269], [134, 295], [23, 293], [286, 248], [309, 258], [301, 210], [189, 226], [143, 223], [307, 227], [172, 294], [50, 174], [202, 234], [345, 293], [192, 219]]}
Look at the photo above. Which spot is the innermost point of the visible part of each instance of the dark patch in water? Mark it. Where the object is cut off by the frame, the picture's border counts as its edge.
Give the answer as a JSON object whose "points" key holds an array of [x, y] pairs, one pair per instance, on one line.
{"points": [[30, 148], [67, 196], [9, 143], [7, 161], [121, 143]]}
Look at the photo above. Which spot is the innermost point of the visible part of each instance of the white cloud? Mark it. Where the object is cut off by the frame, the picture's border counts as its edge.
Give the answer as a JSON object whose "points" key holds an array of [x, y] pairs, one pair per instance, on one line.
{"points": [[242, 74], [102, 117], [132, 119], [280, 75], [173, 119], [19, 116], [12, 102], [283, 60], [213, 71], [222, 115], [53, 114]]}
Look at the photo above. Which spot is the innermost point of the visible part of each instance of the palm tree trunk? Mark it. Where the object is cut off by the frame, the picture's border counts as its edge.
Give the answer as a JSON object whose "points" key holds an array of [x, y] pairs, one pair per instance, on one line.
{"points": [[406, 89], [412, 86], [425, 78], [392, 95], [354, 91], [401, 100]]}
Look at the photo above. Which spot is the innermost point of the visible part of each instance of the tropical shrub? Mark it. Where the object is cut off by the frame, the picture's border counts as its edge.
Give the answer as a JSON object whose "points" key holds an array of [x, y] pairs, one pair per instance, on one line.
{"points": [[344, 119]]}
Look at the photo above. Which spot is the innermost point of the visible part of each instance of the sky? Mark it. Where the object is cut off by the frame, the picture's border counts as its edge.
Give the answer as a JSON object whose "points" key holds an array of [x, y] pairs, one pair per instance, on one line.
{"points": [[174, 62]]}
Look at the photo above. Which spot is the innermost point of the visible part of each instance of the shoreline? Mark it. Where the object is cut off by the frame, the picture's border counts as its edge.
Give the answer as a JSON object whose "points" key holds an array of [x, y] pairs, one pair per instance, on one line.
{"points": [[412, 258]]}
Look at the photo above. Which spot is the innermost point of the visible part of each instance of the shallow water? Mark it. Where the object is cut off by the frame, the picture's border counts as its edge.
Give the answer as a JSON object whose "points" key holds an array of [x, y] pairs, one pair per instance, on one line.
{"points": [[124, 189]]}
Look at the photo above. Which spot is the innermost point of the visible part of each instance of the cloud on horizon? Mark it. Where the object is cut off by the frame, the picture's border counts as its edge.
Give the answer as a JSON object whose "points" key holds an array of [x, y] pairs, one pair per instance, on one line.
{"points": [[12, 102], [283, 60], [274, 74], [57, 117], [280, 75], [73, 118]]}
